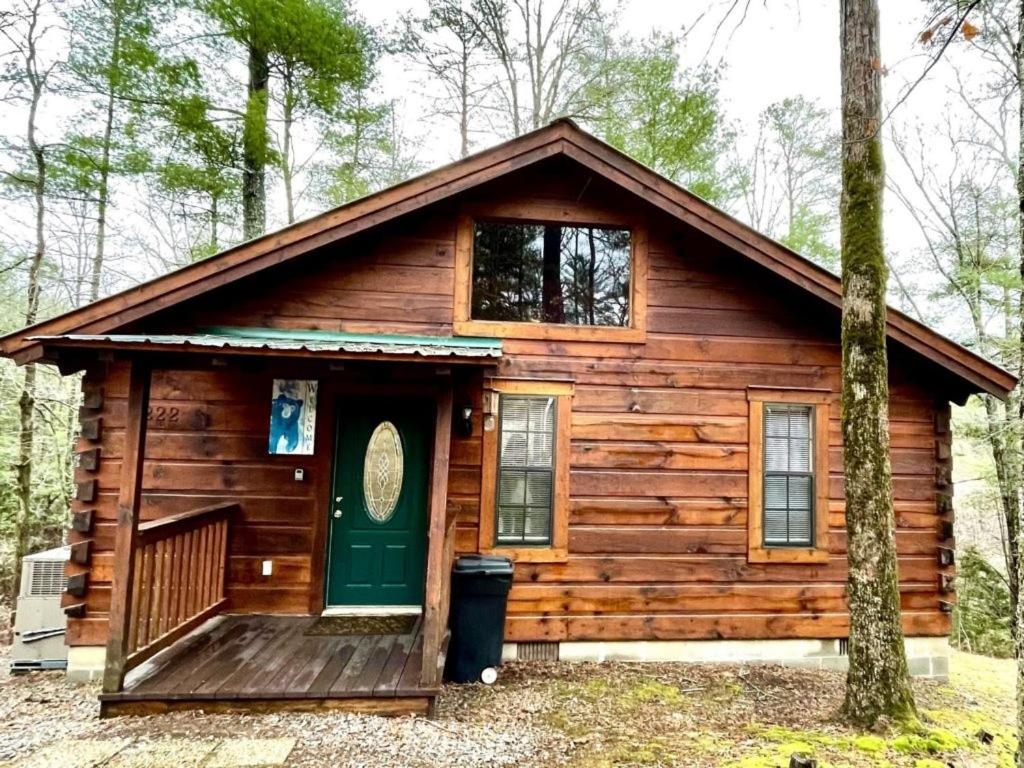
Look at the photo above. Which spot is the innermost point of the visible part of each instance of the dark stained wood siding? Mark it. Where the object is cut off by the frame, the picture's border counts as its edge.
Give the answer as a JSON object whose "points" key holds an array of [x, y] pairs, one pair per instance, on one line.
{"points": [[657, 545], [657, 539], [207, 442], [398, 280]]}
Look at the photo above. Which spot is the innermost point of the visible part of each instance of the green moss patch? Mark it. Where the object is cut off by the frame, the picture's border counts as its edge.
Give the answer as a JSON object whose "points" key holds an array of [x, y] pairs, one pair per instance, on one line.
{"points": [[653, 715]]}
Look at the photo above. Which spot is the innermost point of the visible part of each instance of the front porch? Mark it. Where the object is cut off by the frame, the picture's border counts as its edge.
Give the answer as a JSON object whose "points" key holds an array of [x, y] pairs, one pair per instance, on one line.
{"points": [[200, 555], [260, 662]]}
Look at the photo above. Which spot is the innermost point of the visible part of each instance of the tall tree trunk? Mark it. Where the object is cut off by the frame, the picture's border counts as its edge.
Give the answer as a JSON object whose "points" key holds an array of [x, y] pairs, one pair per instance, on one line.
{"points": [[1002, 434], [877, 684], [214, 221], [103, 191], [1001, 429], [27, 399], [591, 276], [1019, 543], [254, 147], [535, 61], [286, 148], [464, 102]]}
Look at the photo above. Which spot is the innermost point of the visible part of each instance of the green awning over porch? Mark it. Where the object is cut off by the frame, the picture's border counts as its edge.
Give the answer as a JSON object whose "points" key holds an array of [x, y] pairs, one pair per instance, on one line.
{"points": [[290, 341]]}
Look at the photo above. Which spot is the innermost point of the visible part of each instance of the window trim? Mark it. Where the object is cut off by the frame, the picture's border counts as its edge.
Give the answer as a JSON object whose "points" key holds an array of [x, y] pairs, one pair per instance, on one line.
{"points": [[465, 325], [757, 551], [557, 550]]}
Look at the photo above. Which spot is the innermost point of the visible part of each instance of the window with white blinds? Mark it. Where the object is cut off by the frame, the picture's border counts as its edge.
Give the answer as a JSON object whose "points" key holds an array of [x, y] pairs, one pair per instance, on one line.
{"points": [[788, 475], [526, 469]]}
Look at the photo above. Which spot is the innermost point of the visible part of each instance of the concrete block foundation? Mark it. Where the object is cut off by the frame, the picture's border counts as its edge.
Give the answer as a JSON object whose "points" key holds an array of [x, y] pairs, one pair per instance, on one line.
{"points": [[85, 663], [927, 657]]}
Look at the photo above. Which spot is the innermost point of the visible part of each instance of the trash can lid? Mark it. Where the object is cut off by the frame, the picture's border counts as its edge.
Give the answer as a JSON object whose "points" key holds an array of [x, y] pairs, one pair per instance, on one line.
{"points": [[487, 565]]}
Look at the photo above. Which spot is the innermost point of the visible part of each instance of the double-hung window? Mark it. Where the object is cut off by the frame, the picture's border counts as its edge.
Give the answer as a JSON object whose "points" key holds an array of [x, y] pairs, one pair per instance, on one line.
{"points": [[788, 476], [526, 469], [787, 510], [524, 493]]}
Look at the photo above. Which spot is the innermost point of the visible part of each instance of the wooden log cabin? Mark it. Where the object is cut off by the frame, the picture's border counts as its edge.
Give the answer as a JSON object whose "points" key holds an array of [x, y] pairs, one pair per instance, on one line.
{"points": [[544, 350]]}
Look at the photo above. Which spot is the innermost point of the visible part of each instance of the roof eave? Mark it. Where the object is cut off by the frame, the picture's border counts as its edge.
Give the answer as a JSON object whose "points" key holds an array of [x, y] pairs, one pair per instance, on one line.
{"points": [[53, 348]]}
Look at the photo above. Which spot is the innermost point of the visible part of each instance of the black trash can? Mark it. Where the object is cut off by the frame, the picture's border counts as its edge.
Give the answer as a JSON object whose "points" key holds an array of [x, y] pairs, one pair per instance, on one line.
{"points": [[480, 586]]}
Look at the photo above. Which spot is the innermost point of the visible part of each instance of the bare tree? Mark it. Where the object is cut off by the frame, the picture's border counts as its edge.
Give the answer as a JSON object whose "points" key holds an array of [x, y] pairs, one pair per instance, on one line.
{"points": [[964, 211], [549, 55], [790, 182], [448, 44], [995, 30], [24, 31]]}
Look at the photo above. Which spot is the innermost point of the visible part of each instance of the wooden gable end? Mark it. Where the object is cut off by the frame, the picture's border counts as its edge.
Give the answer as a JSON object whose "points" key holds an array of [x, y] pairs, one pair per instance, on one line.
{"points": [[402, 278]]}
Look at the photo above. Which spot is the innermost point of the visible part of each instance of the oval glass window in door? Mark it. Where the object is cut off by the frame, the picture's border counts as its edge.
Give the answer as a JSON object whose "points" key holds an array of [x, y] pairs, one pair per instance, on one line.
{"points": [[383, 471]]}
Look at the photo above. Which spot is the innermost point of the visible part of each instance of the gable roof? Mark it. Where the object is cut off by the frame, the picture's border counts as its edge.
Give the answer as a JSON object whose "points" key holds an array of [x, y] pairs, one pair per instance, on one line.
{"points": [[562, 137]]}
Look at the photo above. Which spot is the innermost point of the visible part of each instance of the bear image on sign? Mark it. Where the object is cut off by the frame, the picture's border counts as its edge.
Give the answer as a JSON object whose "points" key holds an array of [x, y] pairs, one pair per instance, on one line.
{"points": [[292, 417]]}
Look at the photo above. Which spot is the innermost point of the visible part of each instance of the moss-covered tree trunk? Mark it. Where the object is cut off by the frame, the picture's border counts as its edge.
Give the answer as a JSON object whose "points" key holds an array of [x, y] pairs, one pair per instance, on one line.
{"points": [[877, 684]]}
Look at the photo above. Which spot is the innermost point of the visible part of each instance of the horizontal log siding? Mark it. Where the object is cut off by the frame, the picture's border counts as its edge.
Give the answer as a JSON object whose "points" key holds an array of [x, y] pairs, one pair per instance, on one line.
{"points": [[206, 444], [401, 280], [659, 454], [657, 544]]}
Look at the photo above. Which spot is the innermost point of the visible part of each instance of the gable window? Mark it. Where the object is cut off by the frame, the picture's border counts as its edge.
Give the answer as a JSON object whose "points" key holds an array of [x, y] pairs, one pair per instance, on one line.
{"points": [[524, 490], [551, 273], [787, 510], [536, 279]]}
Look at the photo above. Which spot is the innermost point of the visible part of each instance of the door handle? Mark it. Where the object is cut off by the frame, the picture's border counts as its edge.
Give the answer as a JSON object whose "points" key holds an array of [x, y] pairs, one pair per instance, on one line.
{"points": [[337, 514]]}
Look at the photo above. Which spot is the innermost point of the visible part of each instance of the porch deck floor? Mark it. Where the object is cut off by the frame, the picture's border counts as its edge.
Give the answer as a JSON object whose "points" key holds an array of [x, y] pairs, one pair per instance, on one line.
{"points": [[269, 662]]}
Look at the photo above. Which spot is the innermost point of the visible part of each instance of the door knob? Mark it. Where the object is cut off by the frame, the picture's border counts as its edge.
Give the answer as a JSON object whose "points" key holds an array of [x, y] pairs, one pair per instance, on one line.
{"points": [[337, 514]]}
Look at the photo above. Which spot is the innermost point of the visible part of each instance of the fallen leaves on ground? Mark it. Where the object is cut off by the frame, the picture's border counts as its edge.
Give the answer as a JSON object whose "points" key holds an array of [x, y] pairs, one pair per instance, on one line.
{"points": [[609, 715]]}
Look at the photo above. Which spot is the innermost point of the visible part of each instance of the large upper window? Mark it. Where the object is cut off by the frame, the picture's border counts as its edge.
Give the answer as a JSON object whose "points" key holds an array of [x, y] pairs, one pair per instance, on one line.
{"points": [[551, 273]]}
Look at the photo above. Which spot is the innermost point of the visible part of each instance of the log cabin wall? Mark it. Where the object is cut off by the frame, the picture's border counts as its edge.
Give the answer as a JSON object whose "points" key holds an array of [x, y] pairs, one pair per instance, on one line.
{"points": [[206, 443], [658, 526], [658, 518]]}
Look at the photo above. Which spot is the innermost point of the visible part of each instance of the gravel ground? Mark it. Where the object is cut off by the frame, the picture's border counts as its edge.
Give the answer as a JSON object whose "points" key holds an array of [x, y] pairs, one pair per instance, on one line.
{"points": [[592, 715], [41, 708]]}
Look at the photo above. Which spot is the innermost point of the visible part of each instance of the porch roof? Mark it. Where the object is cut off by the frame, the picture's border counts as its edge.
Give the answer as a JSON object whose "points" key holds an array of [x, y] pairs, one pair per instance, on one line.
{"points": [[245, 339]]}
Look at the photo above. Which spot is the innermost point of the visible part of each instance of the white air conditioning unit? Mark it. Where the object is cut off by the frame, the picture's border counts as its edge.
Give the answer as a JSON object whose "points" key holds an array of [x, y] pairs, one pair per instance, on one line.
{"points": [[39, 621]]}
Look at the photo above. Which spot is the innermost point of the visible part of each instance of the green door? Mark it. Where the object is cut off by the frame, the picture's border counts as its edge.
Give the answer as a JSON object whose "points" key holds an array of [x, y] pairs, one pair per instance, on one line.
{"points": [[377, 520]]}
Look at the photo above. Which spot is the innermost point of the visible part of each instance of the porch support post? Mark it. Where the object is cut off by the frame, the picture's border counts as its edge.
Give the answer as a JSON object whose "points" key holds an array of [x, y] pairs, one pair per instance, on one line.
{"points": [[439, 546], [128, 501]]}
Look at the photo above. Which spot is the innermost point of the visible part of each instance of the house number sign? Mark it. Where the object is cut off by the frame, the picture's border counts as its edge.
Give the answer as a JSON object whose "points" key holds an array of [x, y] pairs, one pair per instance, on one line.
{"points": [[383, 471]]}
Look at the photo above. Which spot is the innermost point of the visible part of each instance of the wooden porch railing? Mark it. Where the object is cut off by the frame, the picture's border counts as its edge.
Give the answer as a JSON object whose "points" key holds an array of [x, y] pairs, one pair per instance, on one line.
{"points": [[179, 576]]}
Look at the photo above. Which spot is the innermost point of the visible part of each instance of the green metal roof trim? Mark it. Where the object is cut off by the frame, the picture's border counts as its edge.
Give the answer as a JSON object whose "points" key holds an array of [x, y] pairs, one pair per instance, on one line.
{"points": [[221, 337]]}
